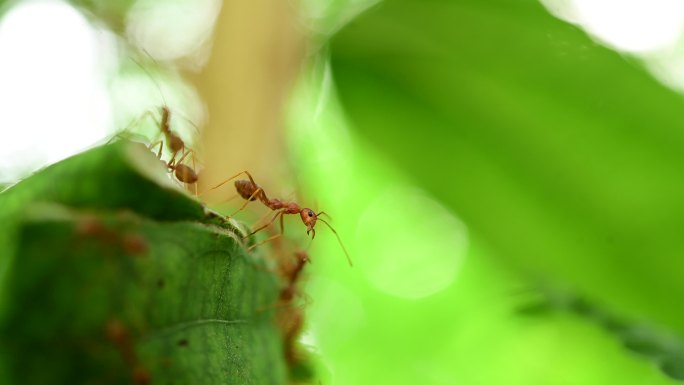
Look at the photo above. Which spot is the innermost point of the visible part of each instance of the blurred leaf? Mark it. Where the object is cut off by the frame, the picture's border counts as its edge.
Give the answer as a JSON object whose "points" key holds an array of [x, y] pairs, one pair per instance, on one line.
{"points": [[114, 275], [663, 349], [121, 175], [111, 13], [565, 156]]}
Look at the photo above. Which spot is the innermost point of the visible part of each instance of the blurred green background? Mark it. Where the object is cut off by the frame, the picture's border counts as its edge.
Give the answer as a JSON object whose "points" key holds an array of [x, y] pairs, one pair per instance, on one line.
{"points": [[509, 184]]}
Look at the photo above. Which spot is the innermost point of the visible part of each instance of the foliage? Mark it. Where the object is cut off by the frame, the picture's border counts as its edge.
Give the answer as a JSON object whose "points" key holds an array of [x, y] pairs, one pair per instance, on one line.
{"points": [[111, 274], [561, 157]]}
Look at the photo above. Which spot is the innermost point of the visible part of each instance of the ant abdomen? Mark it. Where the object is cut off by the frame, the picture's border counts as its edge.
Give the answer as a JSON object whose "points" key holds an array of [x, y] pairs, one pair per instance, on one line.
{"points": [[185, 173], [246, 189]]}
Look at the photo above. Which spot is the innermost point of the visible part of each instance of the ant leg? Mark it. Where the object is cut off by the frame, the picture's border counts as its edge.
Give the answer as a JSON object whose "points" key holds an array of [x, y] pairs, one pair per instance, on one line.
{"points": [[125, 134], [269, 239], [172, 162], [118, 135], [263, 217], [282, 226], [272, 237], [185, 153], [159, 143], [146, 114], [190, 122], [229, 179], [282, 232], [278, 214], [255, 193], [233, 177], [194, 167]]}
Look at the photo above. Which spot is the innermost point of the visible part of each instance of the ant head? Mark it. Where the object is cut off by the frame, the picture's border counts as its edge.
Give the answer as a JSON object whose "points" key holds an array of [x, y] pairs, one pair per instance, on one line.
{"points": [[309, 217]]}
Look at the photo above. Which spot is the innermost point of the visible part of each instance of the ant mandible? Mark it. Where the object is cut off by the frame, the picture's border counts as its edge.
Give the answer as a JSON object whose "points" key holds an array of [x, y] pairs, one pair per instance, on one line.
{"points": [[249, 190]]}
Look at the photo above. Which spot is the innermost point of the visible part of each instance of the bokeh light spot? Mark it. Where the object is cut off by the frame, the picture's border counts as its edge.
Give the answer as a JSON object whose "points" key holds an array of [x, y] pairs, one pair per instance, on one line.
{"points": [[628, 25], [53, 100], [172, 29], [412, 245]]}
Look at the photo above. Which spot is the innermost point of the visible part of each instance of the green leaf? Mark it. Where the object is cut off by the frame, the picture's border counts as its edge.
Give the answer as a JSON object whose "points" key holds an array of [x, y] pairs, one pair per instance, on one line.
{"points": [[563, 155], [117, 276], [121, 175], [663, 349]]}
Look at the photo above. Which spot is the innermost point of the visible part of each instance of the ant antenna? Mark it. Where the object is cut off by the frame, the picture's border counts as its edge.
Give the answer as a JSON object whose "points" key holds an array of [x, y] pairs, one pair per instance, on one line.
{"points": [[149, 74], [161, 93], [338, 239], [324, 213]]}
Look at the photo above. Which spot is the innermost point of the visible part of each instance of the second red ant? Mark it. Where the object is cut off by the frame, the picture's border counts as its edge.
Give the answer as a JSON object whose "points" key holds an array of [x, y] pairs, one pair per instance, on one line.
{"points": [[249, 190], [290, 316], [173, 141], [181, 171]]}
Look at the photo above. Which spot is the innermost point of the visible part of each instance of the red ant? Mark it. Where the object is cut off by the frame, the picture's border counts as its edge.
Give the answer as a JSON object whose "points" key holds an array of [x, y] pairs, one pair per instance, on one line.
{"points": [[175, 143], [292, 324], [291, 319], [181, 171], [292, 274], [249, 190]]}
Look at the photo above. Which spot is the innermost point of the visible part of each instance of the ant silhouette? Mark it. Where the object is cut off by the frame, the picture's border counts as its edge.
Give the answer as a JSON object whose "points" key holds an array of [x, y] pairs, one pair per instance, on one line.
{"points": [[250, 191]]}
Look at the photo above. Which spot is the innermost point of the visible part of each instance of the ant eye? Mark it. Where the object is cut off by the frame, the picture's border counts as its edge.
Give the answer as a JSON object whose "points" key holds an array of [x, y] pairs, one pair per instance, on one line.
{"points": [[311, 214]]}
